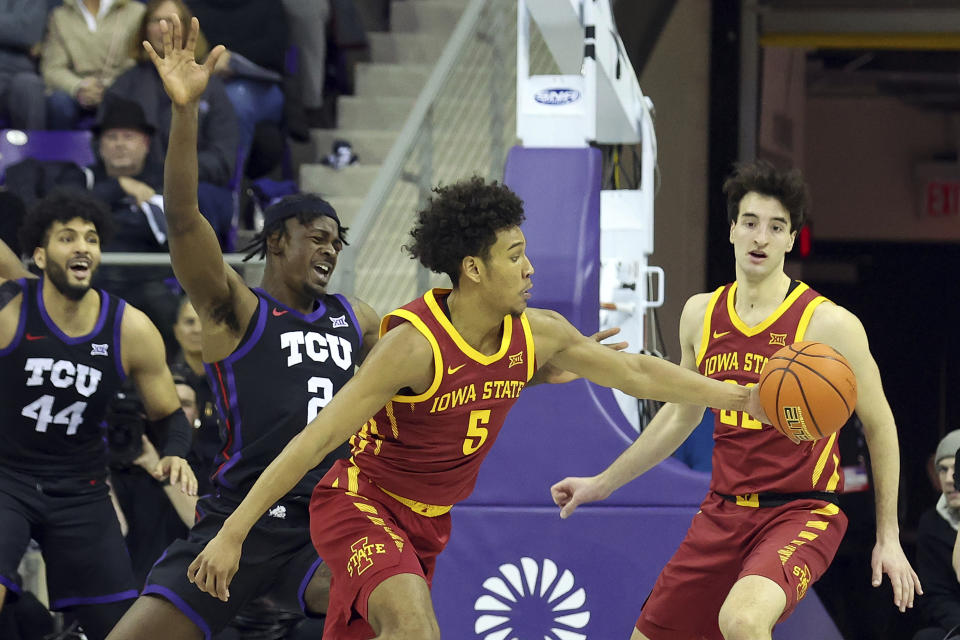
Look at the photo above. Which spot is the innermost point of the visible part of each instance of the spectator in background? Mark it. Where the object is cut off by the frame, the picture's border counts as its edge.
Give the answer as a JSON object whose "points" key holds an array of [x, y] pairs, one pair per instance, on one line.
{"points": [[940, 604], [22, 102], [308, 31], [86, 48], [130, 184], [255, 33], [217, 135], [187, 365]]}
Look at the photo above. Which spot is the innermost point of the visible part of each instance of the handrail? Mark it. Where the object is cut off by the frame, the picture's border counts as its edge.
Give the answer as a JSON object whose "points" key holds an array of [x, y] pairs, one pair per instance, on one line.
{"points": [[346, 273]]}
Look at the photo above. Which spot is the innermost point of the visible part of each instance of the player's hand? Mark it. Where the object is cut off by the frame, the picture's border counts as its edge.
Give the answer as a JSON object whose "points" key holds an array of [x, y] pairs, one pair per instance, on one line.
{"points": [[179, 472], [570, 493], [213, 569], [183, 79], [755, 408], [555, 375], [889, 559]]}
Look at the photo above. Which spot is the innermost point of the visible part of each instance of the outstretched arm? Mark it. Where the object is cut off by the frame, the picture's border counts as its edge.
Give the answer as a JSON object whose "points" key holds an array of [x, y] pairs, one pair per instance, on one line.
{"points": [[638, 375], [194, 249], [667, 431], [402, 358], [143, 358], [843, 331]]}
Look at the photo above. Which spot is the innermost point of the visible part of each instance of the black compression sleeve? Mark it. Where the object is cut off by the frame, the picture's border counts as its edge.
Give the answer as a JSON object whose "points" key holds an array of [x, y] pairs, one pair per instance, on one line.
{"points": [[179, 433]]}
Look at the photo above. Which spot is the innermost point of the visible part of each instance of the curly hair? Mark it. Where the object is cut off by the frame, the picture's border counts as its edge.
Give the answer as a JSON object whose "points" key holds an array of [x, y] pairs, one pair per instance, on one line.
{"points": [[788, 187], [462, 220], [63, 205], [257, 247]]}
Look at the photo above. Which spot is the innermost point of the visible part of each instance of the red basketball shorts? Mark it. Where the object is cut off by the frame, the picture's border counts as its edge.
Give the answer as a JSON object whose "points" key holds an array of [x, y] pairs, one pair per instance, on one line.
{"points": [[365, 537], [792, 544]]}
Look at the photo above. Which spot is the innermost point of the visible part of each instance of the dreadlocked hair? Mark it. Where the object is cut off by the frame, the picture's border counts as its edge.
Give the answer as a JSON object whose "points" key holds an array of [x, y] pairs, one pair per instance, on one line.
{"points": [[257, 247]]}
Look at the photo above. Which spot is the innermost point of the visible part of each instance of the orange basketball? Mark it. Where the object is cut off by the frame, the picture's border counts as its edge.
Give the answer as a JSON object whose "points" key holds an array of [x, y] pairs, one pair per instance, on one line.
{"points": [[808, 390]]}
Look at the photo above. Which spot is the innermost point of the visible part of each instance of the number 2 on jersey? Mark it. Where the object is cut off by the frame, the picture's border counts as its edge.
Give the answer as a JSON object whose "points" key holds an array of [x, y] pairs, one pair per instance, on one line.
{"points": [[322, 389], [476, 435]]}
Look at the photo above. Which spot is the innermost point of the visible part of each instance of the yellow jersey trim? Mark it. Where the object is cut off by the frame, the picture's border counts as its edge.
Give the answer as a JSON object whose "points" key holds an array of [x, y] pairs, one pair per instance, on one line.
{"points": [[413, 319], [822, 460], [705, 339], [773, 317], [807, 315], [528, 336], [469, 351], [422, 508]]}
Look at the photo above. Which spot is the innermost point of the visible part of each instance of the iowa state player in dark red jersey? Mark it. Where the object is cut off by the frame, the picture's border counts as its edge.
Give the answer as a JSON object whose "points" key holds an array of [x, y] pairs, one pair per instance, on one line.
{"points": [[439, 384], [770, 525]]}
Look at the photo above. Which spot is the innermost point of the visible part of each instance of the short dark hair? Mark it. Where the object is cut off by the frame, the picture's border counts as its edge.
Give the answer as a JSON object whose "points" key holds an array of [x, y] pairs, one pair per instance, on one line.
{"points": [[305, 207], [761, 177], [463, 220], [63, 205]]}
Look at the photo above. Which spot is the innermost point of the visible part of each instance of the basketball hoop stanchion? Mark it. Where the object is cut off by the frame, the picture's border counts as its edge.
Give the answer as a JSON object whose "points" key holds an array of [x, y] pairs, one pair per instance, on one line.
{"points": [[597, 98]]}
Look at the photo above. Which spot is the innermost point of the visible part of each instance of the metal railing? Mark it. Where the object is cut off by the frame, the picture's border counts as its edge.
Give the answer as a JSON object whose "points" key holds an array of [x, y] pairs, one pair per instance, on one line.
{"points": [[462, 124]]}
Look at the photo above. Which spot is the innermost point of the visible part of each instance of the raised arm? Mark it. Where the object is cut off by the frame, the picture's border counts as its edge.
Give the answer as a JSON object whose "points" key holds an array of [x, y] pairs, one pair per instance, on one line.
{"points": [[843, 331], [667, 431], [642, 376], [143, 358], [402, 358], [194, 249]]}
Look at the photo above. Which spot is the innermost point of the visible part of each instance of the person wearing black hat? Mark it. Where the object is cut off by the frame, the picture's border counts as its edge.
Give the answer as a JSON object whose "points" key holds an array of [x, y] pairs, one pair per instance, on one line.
{"points": [[275, 355], [128, 181]]}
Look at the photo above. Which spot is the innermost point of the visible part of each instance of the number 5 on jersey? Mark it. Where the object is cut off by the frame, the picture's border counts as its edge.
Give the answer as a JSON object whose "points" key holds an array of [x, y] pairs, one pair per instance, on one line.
{"points": [[476, 434]]}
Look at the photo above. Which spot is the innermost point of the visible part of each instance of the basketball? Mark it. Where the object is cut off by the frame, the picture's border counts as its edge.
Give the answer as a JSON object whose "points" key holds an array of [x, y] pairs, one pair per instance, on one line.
{"points": [[808, 390]]}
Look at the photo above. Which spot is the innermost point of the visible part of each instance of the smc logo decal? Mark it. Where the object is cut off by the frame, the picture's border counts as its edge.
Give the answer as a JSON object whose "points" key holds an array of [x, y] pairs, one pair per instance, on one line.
{"points": [[556, 97]]}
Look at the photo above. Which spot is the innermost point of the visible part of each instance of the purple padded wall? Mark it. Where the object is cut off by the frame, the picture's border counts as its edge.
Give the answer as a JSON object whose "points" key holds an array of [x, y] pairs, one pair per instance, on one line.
{"points": [[513, 569], [560, 189]]}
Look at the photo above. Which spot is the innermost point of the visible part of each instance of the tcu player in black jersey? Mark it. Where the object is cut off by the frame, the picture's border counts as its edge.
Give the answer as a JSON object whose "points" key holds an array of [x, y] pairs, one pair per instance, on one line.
{"points": [[64, 350], [274, 355]]}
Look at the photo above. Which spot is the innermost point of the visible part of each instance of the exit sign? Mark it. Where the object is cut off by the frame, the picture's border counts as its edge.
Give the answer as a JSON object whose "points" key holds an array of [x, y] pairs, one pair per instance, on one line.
{"points": [[941, 198], [938, 184]]}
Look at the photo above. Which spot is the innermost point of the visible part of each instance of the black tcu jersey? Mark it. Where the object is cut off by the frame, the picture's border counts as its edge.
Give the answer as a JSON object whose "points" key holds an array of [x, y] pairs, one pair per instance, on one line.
{"points": [[285, 370], [56, 390]]}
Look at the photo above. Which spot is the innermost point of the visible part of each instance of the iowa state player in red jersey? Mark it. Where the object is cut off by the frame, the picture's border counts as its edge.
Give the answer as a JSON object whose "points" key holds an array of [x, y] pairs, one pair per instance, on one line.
{"points": [[770, 525], [438, 384]]}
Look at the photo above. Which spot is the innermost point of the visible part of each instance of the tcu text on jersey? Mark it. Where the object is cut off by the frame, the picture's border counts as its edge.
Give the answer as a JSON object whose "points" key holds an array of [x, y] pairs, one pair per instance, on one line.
{"points": [[61, 374], [318, 347]]}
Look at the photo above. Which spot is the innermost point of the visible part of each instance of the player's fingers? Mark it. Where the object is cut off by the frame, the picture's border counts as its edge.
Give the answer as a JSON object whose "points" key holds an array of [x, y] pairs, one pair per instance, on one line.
{"points": [[192, 34], [898, 598], [600, 336], [150, 52], [177, 32], [917, 587], [877, 577], [166, 38], [223, 591], [569, 507], [194, 571], [211, 62]]}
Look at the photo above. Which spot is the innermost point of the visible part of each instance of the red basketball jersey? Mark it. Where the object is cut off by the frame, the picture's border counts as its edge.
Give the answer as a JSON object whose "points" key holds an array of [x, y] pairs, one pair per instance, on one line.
{"points": [[428, 448], [750, 457]]}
